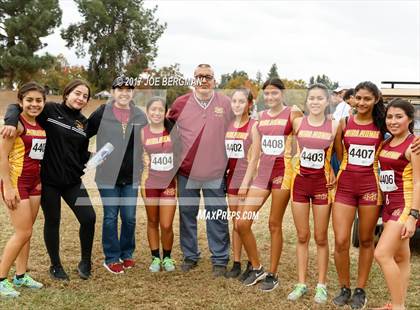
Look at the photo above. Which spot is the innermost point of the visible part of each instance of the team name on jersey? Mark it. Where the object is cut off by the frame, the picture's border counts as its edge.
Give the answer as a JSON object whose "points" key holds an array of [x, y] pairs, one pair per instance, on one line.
{"points": [[158, 140], [390, 154], [236, 135], [273, 122], [314, 134], [35, 133], [362, 133]]}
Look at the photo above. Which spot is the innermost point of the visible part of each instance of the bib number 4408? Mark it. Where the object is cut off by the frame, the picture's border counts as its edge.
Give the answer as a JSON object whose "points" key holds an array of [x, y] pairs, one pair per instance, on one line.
{"points": [[272, 145]]}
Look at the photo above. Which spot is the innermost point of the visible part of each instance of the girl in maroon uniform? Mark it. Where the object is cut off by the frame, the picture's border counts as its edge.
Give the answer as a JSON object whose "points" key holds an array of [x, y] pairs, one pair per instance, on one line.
{"points": [[273, 177], [158, 183], [400, 184], [242, 164], [312, 178], [20, 158], [357, 144]]}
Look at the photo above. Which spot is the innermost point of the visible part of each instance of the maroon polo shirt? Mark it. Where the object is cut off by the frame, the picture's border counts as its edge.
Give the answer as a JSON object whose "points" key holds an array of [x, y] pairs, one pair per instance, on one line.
{"points": [[202, 132]]}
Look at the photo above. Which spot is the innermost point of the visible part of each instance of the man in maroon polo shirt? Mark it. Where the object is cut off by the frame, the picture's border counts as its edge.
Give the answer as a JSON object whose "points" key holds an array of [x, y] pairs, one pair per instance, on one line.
{"points": [[202, 118]]}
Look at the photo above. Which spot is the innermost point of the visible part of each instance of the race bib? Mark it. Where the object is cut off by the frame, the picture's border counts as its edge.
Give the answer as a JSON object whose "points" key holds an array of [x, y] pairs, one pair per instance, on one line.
{"points": [[162, 161], [361, 155], [272, 145], [38, 149], [387, 181], [235, 148], [312, 158]]}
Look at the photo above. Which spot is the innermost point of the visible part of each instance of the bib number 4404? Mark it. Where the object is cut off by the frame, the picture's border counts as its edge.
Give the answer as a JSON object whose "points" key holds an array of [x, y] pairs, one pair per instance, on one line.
{"points": [[162, 161], [38, 149]]}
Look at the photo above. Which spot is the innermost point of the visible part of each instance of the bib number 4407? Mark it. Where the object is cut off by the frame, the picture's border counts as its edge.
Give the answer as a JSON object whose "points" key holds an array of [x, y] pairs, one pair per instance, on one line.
{"points": [[272, 145], [361, 155]]}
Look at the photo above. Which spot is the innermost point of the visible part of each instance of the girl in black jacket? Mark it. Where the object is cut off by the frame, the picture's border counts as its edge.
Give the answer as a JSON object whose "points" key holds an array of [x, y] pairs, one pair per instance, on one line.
{"points": [[66, 154]]}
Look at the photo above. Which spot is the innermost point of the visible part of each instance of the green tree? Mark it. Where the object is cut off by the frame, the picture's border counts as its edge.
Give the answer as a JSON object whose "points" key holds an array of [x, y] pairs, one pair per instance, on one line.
{"points": [[323, 79], [22, 25], [229, 76], [258, 78], [59, 74], [171, 90], [273, 73], [121, 36]]}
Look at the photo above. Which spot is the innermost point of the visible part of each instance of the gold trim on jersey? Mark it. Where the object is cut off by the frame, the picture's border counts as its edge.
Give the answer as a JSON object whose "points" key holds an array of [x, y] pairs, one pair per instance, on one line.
{"points": [[314, 134], [390, 154], [236, 135], [158, 140], [272, 122], [35, 133], [145, 174], [16, 160], [407, 180], [362, 133], [287, 159]]}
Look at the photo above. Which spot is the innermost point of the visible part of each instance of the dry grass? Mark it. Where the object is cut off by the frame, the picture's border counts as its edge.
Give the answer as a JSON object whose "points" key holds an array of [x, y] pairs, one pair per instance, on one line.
{"points": [[138, 288]]}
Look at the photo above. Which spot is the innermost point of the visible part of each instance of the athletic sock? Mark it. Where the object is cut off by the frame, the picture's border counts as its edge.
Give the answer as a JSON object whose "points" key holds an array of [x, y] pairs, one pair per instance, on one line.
{"points": [[156, 253], [237, 265], [20, 276], [167, 253]]}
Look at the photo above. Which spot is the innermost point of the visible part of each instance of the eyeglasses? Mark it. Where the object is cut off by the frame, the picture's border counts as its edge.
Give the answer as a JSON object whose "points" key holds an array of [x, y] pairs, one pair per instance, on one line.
{"points": [[202, 77]]}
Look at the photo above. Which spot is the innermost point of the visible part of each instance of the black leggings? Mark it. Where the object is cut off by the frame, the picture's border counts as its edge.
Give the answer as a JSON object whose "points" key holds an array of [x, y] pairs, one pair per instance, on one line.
{"points": [[51, 206]]}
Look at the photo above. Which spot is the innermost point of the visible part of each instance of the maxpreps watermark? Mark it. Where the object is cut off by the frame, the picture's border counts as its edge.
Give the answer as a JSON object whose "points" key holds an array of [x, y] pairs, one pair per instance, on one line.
{"points": [[226, 215]]}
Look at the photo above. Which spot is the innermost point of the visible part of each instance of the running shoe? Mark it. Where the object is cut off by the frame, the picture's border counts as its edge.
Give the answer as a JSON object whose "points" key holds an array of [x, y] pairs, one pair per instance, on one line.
{"points": [[343, 298], [358, 300], [321, 294], [58, 273], [269, 283], [27, 281], [235, 271], [84, 268], [188, 264], [115, 268], [128, 263], [155, 265], [255, 275], [168, 264], [299, 290], [245, 274], [219, 271], [7, 289]]}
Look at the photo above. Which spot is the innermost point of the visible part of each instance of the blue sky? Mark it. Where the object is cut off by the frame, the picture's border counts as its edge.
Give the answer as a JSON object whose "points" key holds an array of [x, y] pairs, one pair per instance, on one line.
{"points": [[349, 41]]}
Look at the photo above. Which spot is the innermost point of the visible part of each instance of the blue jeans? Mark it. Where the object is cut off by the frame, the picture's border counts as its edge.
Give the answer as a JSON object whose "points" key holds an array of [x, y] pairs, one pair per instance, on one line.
{"points": [[122, 199], [217, 229]]}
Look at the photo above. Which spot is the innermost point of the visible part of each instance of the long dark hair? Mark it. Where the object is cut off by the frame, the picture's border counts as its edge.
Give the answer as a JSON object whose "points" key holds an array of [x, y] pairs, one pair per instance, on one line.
{"points": [[167, 124], [378, 112], [406, 106], [72, 85]]}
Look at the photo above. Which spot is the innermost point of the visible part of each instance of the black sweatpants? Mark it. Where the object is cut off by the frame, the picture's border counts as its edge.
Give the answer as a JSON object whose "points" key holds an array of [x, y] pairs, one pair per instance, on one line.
{"points": [[82, 208]]}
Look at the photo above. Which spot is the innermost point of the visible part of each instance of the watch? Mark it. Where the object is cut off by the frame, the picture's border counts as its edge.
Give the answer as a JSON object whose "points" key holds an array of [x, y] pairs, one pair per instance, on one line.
{"points": [[414, 213]]}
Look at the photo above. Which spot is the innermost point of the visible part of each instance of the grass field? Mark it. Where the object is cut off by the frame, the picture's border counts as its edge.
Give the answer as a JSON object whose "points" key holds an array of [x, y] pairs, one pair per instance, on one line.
{"points": [[139, 289]]}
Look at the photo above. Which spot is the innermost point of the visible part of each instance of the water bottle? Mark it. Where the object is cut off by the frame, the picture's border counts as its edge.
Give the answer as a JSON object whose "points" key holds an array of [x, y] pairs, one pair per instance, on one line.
{"points": [[100, 156]]}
